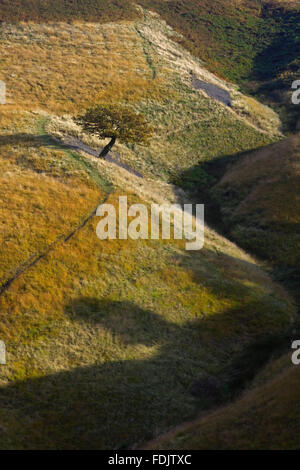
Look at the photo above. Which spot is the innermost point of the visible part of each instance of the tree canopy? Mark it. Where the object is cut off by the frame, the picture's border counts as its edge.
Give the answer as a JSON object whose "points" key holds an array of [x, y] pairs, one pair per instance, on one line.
{"points": [[116, 122]]}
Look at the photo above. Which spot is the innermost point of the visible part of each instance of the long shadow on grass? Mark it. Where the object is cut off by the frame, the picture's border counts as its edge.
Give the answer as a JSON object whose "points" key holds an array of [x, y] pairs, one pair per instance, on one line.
{"points": [[45, 140], [27, 140], [115, 404], [258, 236], [112, 404], [36, 141]]}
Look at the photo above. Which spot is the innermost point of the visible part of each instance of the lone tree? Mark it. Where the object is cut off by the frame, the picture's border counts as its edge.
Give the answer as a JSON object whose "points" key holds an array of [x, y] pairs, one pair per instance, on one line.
{"points": [[115, 122]]}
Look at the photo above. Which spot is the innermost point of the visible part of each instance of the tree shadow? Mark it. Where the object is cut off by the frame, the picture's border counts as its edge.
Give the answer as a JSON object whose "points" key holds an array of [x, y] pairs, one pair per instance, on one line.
{"points": [[69, 143], [46, 140], [112, 404], [27, 140]]}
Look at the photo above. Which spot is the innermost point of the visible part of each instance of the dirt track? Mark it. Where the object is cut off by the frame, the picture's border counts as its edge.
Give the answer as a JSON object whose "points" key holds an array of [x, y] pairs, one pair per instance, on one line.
{"points": [[75, 144]]}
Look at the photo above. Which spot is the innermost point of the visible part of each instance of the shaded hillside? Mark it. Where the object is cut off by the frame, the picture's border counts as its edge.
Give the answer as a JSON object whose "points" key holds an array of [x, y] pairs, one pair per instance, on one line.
{"points": [[111, 342], [266, 417], [260, 203], [93, 328], [253, 43]]}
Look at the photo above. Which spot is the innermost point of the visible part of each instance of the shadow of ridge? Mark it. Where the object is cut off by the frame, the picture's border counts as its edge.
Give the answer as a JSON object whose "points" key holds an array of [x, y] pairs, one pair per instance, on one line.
{"points": [[114, 403], [27, 140], [284, 49], [45, 140], [205, 174], [117, 403], [199, 180]]}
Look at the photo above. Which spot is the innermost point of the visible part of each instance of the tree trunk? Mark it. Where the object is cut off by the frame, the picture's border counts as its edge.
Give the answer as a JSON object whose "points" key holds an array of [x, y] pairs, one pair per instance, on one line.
{"points": [[108, 148]]}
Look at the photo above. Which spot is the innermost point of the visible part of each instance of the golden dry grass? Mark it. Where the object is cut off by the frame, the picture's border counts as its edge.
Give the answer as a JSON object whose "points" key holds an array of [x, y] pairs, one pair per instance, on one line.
{"points": [[100, 315], [45, 193], [98, 318], [64, 68], [42, 65], [93, 330]]}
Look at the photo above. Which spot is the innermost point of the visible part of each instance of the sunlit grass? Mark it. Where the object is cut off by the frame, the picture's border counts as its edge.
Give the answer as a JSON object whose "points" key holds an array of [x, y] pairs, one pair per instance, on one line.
{"points": [[64, 68]]}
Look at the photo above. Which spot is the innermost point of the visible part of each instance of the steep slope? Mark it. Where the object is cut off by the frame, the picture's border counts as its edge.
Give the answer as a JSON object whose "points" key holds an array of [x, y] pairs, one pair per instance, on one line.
{"points": [[43, 68], [93, 328], [266, 417], [259, 202], [251, 42]]}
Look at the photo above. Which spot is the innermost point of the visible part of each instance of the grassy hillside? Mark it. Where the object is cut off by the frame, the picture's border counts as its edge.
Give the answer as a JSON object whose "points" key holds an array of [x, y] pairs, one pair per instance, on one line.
{"points": [[266, 417], [253, 43], [259, 203], [42, 67], [236, 37], [93, 329], [249, 42]]}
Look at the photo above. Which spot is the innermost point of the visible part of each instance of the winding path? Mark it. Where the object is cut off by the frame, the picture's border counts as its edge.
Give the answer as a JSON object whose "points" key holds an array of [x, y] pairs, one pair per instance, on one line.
{"points": [[72, 143], [75, 144]]}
